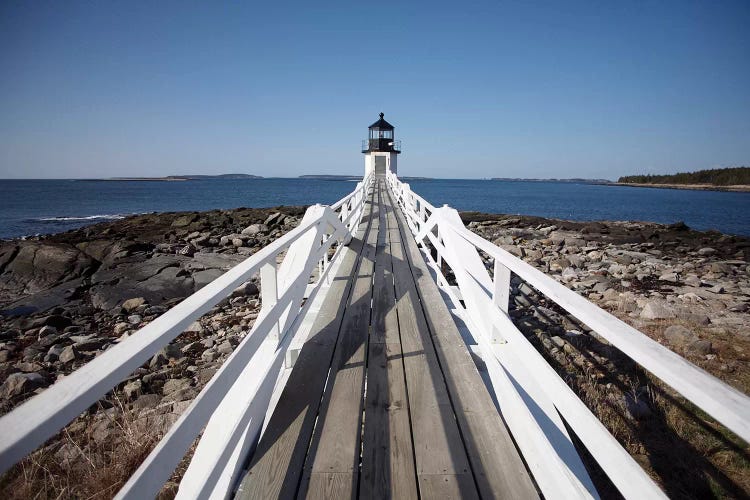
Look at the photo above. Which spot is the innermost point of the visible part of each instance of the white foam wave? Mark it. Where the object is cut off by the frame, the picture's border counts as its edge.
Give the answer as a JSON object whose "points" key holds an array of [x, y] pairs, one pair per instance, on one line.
{"points": [[88, 217]]}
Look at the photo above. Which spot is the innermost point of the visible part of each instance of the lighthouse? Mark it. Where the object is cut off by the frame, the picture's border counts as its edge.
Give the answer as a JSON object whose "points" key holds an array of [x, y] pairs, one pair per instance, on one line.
{"points": [[381, 149]]}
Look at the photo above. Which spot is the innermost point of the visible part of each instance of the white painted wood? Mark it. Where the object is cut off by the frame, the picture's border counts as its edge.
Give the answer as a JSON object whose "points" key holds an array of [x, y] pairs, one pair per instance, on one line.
{"points": [[42, 416], [269, 293], [726, 404], [501, 289], [304, 323], [158, 466], [300, 259], [555, 459], [534, 422], [549, 453], [231, 427], [236, 401], [721, 401], [624, 472]]}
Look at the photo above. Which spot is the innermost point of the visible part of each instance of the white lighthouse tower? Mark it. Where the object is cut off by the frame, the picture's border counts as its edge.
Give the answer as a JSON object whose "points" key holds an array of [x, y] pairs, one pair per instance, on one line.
{"points": [[381, 149]]}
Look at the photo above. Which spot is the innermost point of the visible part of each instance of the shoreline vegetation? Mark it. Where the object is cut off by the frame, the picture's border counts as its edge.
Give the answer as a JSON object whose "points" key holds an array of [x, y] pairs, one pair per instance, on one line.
{"points": [[737, 188], [67, 297], [720, 179]]}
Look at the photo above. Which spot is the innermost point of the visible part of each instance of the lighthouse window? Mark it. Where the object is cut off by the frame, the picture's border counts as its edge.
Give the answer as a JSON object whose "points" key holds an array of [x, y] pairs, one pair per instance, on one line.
{"points": [[381, 134]]}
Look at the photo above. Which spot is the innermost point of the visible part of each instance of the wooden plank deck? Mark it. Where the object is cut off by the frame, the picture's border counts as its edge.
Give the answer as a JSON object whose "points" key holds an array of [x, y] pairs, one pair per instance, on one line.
{"points": [[384, 400]]}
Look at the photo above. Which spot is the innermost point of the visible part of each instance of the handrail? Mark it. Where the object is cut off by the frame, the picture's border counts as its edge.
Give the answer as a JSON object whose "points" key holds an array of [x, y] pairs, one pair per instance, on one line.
{"points": [[483, 304], [536, 403], [36, 420]]}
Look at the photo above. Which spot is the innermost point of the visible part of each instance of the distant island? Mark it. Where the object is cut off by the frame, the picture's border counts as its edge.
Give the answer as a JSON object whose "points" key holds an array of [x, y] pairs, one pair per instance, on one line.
{"points": [[220, 176], [177, 178], [326, 177], [719, 179]]}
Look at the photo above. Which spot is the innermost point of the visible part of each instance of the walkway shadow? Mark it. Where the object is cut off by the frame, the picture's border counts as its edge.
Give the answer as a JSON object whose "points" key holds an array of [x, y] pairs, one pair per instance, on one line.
{"points": [[682, 470]]}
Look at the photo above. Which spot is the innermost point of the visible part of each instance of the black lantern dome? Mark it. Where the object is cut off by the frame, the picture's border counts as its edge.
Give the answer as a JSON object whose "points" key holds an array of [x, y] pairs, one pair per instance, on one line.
{"points": [[380, 138]]}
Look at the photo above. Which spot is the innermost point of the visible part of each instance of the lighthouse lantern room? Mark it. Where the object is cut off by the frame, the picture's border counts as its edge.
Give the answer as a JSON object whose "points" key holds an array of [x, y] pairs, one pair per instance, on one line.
{"points": [[381, 148]]}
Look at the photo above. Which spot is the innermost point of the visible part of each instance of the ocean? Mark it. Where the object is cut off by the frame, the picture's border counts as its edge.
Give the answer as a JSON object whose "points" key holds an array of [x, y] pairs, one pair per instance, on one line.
{"points": [[29, 207]]}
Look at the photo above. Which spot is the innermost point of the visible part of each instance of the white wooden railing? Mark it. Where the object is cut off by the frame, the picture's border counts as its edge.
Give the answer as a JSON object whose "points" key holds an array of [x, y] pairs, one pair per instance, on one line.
{"points": [[536, 403], [531, 396], [234, 403]]}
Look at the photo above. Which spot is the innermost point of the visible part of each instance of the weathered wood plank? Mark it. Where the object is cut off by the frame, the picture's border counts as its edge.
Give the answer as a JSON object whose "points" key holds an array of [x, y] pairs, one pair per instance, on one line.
{"points": [[438, 447], [276, 465], [388, 469], [447, 486], [498, 469], [332, 486], [335, 446]]}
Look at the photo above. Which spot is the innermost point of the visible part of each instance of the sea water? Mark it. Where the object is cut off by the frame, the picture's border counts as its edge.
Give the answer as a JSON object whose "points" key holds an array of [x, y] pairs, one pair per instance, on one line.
{"points": [[29, 207]]}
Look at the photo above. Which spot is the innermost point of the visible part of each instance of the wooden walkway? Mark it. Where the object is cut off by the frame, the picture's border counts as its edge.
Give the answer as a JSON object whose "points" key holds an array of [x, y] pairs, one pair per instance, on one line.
{"points": [[385, 400]]}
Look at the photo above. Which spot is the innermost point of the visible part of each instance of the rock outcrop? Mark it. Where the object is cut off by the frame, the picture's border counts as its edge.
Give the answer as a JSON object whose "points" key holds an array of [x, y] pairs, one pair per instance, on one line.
{"points": [[66, 298]]}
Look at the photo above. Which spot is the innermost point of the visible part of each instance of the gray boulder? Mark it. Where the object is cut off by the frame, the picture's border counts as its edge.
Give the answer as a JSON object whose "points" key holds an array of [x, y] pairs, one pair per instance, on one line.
{"points": [[248, 289], [133, 304], [184, 220], [136, 281], [678, 335], [203, 278], [53, 354], [175, 384], [47, 330], [513, 250], [702, 347], [38, 266], [657, 310], [68, 355], [255, 229], [216, 260], [275, 219], [21, 383]]}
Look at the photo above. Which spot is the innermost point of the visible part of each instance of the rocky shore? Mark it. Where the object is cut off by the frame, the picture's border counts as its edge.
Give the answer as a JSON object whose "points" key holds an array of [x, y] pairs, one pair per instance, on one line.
{"points": [[645, 273], [66, 298], [688, 290]]}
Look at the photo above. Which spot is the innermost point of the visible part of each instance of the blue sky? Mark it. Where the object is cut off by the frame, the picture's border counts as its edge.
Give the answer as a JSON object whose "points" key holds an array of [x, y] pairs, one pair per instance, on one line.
{"points": [[475, 89]]}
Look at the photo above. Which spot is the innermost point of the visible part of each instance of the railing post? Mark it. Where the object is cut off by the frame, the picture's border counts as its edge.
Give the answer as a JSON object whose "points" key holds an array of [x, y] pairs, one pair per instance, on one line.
{"points": [[501, 288], [471, 275], [345, 211], [269, 294], [323, 263], [439, 255]]}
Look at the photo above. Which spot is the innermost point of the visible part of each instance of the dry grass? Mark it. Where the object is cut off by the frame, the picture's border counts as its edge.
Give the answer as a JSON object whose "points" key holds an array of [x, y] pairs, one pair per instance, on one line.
{"points": [[92, 457]]}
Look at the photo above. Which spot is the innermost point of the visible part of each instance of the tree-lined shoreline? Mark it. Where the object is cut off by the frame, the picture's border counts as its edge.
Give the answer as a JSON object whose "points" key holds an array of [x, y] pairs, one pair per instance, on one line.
{"points": [[732, 176]]}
